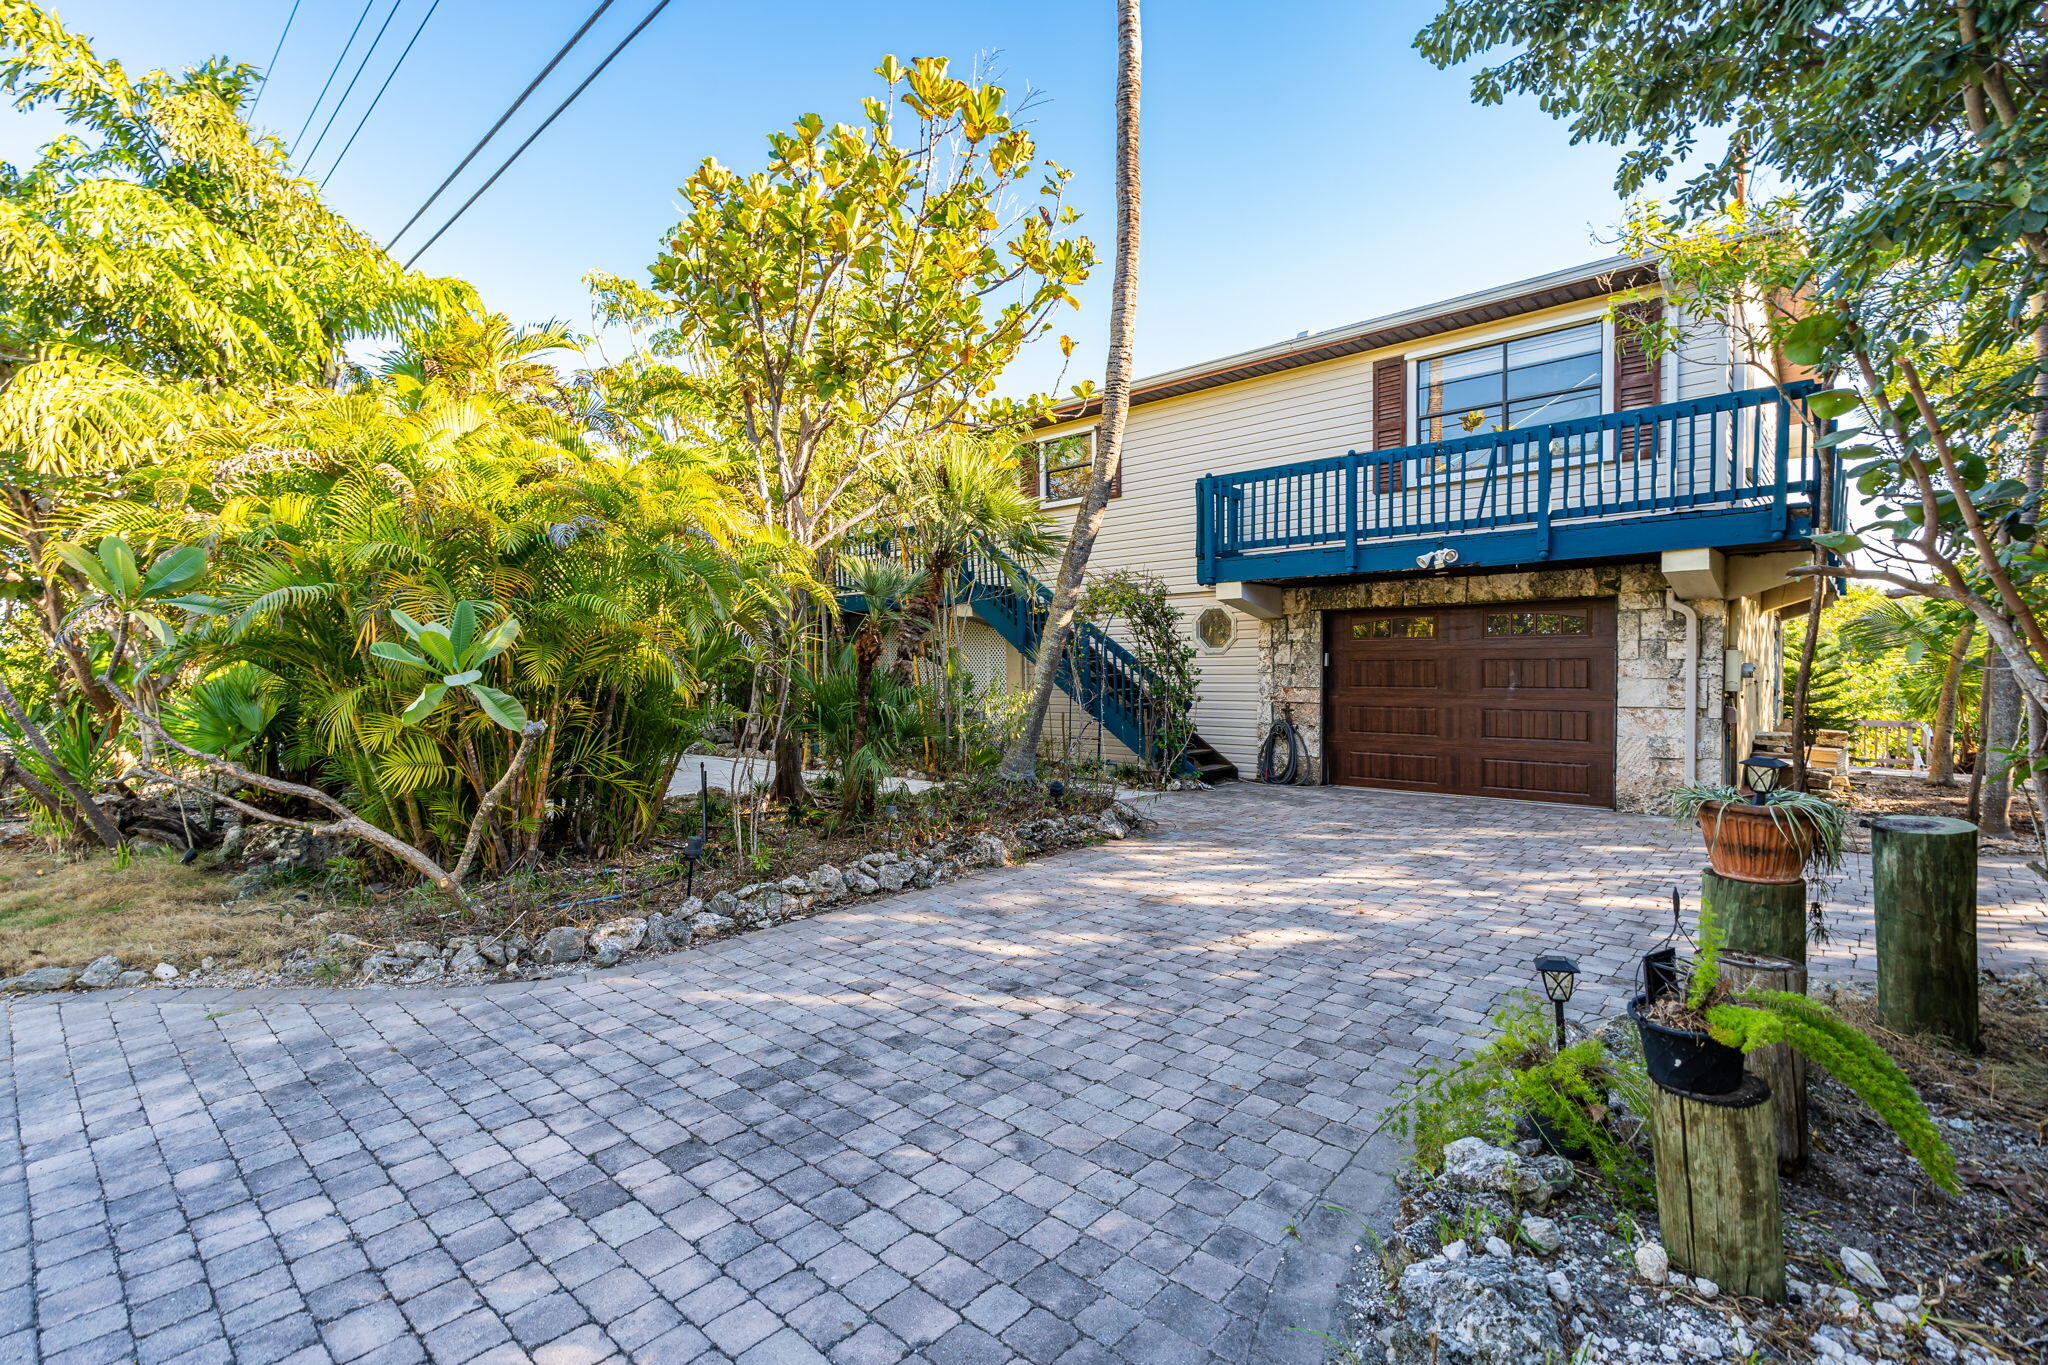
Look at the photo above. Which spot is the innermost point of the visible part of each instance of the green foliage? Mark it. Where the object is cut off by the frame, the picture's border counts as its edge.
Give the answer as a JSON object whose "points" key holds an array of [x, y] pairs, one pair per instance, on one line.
{"points": [[1752, 1019], [1829, 700], [457, 655], [1519, 1073], [1158, 636]]}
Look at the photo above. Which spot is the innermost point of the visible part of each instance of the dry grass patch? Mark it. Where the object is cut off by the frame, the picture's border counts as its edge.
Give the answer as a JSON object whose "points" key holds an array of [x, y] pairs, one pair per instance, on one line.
{"points": [[59, 910]]}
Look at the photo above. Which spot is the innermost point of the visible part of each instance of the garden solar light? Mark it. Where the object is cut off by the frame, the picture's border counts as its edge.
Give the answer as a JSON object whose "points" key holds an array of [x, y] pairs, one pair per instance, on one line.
{"points": [[1761, 772], [693, 849], [1560, 978], [1055, 789]]}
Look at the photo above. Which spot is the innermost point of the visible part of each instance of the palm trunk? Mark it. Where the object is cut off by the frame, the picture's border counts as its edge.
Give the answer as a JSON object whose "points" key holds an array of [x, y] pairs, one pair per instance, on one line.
{"points": [[921, 612], [2001, 735], [1021, 763], [1941, 755]]}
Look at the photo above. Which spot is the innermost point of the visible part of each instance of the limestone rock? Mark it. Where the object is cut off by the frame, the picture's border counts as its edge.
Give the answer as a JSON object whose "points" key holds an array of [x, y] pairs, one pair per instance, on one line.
{"points": [[1560, 1287], [724, 903], [164, 971], [134, 978], [1652, 1262], [100, 973], [342, 943], [38, 979], [986, 850], [860, 883], [1109, 825], [1541, 1233], [893, 876], [424, 970], [1478, 1311], [1475, 1165], [388, 966], [496, 951], [828, 883], [564, 943], [415, 948], [279, 848], [1496, 1246], [467, 958], [615, 938], [709, 924], [1863, 1269]]}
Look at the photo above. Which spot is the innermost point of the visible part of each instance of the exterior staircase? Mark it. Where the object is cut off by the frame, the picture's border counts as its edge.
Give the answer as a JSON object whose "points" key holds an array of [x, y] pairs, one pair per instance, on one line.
{"points": [[1102, 677]]}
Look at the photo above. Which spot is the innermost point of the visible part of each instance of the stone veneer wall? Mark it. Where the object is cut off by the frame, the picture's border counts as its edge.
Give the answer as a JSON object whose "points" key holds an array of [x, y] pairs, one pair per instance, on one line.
{"points": [[1650, 693]]}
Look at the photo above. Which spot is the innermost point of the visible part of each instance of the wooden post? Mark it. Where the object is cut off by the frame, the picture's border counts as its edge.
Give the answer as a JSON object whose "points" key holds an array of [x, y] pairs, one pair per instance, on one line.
{"points": [[1781, 1065], [1924, 868], [1759, 917], [1717, 1187]]}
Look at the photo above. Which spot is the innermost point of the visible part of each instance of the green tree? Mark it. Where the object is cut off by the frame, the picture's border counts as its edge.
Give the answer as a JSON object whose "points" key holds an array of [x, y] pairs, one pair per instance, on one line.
{"points": [[1914, 257], [857, 296]]}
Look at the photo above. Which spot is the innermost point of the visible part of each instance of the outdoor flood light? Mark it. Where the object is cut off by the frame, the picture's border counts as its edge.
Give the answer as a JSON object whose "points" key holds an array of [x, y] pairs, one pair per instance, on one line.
{"points": [[1762, 772], [1560, 978]]}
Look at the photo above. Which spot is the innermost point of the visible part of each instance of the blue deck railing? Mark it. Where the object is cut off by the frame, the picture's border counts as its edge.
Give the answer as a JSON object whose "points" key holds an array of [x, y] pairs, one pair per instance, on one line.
{"points": [[1739, 468], [1102, 676]]}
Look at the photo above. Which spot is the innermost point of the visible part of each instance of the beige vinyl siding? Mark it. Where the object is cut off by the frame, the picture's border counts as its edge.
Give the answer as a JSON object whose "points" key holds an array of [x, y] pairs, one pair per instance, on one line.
{"points": [[1306, 413]]}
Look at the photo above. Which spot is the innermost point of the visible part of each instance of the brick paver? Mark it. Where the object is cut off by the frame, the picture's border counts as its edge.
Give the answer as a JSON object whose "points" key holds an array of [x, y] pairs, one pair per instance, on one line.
{"points": [[1095, 1108]]}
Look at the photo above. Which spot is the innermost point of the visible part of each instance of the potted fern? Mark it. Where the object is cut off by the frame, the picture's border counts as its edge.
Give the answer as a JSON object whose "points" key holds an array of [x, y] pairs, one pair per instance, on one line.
{"points": [[1692, 1035], [1772, 836]]}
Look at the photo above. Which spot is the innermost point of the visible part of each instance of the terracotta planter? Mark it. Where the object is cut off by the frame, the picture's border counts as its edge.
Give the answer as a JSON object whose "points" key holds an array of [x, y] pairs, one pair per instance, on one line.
{"points": [[1747, 843]]}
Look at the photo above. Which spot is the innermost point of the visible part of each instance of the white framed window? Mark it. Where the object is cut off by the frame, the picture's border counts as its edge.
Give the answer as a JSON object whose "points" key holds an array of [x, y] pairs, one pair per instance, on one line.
{"points": [[1063, 463], [1524, 381]]}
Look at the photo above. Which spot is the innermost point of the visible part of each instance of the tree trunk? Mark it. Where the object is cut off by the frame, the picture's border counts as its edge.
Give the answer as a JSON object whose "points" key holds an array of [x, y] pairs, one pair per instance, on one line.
{"points": [[1807, 647], [2000, 737], [1923, 872], [1021, 764], [88, 809], [1941, 745]]}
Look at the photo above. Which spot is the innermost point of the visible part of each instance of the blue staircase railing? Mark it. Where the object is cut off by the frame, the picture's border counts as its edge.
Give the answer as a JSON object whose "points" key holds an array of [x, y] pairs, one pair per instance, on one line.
{"points": [[1103, 677]]}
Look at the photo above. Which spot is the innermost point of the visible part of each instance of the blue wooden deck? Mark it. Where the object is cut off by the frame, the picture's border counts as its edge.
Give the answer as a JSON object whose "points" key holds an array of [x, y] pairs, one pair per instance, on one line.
{"points": [[1737, 469]]}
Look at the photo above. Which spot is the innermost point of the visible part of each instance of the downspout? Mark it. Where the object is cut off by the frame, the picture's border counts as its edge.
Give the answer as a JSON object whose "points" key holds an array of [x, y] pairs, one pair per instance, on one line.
{"points": [[1692, 681]]}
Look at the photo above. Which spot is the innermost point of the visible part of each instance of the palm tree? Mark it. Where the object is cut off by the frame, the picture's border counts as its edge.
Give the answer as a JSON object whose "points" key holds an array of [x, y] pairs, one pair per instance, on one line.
{"points": [[963, 500], [1021, 763], [1936, 638]]}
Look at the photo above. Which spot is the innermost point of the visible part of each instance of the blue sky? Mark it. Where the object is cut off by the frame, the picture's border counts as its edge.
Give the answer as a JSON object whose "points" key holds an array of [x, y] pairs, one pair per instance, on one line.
{"points": [[1304, 167]]}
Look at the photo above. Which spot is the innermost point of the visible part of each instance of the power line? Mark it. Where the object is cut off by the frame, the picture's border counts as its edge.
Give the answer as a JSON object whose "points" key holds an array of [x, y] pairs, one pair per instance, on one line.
{"points": [[264, 84], [531, 86], [332, 72], [379, 96], [350, 88], [506, 165]]}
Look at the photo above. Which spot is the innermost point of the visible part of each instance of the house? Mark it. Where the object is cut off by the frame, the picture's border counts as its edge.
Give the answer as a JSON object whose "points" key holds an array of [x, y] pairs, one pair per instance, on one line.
{"points": [[1488, 546]]}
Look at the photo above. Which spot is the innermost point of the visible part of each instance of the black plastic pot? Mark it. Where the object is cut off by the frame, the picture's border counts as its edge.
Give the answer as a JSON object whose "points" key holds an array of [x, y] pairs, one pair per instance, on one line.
{"points": [[1679, 1059], [1555, 1140]]}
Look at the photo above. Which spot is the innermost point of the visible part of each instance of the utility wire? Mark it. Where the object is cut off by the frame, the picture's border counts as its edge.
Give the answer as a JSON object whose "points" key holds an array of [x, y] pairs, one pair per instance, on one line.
{"points": [[506, 165], [379, 96], [264, 85], [332, 72], [350, 88], [531, 86]]}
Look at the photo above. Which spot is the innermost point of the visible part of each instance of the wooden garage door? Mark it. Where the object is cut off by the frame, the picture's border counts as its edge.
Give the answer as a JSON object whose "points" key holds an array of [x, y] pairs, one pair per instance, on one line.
{"points": [[1511, 700]]}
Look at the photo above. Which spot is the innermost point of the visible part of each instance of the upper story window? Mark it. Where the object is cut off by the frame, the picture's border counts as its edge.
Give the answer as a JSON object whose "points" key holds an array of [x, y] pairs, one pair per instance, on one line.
{"points": [[1553, 377], [1065, 461]]}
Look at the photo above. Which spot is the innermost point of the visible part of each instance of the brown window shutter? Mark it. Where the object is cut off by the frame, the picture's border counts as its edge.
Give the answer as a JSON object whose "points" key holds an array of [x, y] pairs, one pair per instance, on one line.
{"points": [[1027, 469], [1638, 377], [1390, 419]]}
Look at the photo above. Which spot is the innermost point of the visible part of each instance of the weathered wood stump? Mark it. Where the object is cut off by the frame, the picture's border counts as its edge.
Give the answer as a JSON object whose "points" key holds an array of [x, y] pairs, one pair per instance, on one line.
{"points": [[1759, 917], [1780, 1065], [1717, 1186], [1925, 872]]}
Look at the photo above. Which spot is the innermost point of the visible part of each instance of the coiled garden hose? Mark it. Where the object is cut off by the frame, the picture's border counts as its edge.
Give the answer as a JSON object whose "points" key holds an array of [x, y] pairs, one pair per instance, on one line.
{"points": [[1283, 732]]}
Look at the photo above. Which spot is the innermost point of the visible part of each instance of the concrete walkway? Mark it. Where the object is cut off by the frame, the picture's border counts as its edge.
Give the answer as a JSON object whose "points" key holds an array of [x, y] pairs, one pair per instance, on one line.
{"points": [[1095, 1108]]}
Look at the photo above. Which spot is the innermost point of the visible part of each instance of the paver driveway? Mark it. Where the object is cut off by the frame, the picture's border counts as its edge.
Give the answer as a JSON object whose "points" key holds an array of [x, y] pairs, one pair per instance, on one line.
{"points": [[1088, 1109]]}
